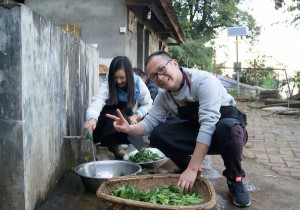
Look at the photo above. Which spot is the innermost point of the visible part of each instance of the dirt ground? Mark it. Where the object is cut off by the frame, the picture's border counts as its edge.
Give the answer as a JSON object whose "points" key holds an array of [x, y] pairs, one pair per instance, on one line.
{"points": [[268, 190]]}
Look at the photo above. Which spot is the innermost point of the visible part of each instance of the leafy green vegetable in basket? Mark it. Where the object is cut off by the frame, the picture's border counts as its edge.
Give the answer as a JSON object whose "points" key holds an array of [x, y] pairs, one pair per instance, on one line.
{"points": [[128, 192], [144, 156], [166, 195]]}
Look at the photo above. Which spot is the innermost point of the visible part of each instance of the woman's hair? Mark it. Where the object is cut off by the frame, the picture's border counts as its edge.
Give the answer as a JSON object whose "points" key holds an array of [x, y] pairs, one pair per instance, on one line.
{"points": [[161, 53], [139, 72], [121, 62]]}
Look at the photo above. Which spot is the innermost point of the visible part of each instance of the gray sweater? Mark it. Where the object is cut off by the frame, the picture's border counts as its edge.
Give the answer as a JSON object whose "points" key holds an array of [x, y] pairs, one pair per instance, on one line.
{"points": [[206, 89]]}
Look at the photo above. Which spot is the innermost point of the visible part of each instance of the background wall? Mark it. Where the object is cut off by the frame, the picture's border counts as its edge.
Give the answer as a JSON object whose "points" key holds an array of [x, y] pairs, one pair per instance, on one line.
{"points": [[47, 78], [100, 20], [131, 47]]}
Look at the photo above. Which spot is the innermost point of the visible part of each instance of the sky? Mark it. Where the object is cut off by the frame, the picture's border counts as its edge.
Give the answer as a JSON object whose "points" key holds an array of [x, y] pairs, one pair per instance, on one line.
{"points": [[280, 41]]}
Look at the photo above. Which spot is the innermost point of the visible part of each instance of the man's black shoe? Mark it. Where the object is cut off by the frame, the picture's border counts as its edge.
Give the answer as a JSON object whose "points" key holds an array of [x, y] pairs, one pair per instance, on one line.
{"points": [[240, 196]]}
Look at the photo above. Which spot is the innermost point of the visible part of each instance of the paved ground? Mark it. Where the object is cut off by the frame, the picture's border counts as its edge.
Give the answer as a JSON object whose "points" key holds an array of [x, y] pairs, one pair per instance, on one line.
{"points": [[274, 140], [272, 165]]}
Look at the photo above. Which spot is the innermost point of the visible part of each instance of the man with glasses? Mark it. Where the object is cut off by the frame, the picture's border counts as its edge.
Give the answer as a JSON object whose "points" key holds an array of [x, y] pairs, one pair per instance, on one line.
{"points": [[206, 122]]}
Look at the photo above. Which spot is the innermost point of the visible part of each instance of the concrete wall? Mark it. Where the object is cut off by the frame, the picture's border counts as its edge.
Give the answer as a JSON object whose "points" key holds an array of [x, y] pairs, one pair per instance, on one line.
{"points": [[47, 78], [11, 136], [100, 20], [153, 43], [131, 47]]}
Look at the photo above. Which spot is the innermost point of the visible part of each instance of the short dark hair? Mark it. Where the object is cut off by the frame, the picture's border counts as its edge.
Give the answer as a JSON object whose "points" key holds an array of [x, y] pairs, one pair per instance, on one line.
{"points": [[121, 62], [161, 53]]}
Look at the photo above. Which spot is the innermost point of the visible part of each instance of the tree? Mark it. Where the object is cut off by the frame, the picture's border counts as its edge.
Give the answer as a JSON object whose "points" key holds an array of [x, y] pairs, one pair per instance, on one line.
{"points": [[201, 20], [292, 7], [293, 81], [194, 54], [258, 74], [295, 8]]}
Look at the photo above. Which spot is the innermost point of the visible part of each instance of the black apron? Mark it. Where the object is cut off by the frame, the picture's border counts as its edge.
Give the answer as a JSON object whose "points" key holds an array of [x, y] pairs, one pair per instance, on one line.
{"points": [[190, 111]]}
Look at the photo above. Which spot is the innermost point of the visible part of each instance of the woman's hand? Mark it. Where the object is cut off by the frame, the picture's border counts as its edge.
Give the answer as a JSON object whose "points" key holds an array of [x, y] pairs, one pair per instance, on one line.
{"points": [[90, 124], [187, 179], [134, 119], [120, 123]]}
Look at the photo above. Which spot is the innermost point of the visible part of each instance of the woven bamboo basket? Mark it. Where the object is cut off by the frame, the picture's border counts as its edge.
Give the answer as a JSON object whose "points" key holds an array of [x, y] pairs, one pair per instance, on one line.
{"points": [[143, 182]]}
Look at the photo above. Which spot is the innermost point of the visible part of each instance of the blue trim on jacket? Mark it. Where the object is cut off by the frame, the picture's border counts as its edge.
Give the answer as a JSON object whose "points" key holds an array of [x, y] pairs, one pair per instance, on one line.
{"points": [[122, 95]]}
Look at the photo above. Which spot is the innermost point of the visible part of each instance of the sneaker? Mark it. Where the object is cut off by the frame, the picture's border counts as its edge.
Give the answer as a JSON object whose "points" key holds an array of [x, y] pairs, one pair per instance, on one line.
{"points": [[118, 151], [240, 196], [199, 172]]}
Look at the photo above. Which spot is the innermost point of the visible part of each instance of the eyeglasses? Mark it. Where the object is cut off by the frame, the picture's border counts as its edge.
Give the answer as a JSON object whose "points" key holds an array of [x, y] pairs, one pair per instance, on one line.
{"points": [[161, 71]]}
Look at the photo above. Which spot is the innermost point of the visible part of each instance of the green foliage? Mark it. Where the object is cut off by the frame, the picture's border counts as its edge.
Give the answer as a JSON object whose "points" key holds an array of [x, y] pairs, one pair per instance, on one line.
{"points": [[293, 81], [259, 75], [245, 19], [201, 20], [296, 80], [193, 53], [269, 82], [294, 7]]}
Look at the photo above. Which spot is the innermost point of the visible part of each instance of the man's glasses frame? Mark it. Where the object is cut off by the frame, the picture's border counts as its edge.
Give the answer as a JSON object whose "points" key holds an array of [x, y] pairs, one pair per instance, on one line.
{"points": [[160, 71]]}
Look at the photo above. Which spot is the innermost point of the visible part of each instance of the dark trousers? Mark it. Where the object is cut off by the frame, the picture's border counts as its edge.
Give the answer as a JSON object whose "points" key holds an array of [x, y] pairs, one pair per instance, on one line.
{"points": [[105, 131], [178, 140], [107, 134]]}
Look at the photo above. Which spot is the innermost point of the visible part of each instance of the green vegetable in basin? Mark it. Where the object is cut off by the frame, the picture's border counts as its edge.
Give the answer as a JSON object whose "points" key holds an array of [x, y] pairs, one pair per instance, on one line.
{"points": [[144, 156]]}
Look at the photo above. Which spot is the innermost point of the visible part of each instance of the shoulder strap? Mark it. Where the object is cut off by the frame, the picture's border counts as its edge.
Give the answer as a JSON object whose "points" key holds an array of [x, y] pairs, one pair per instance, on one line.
{"points": [[188, 84], [186, 79]]}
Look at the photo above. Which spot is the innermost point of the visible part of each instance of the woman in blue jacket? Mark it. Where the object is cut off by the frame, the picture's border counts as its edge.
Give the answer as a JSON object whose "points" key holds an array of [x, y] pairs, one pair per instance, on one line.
{"points": [[121, 89]]}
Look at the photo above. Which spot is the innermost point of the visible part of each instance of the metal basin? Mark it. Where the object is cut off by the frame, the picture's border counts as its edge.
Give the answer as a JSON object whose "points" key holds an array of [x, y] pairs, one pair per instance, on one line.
{"points": [[153, 164], [93, 174]]}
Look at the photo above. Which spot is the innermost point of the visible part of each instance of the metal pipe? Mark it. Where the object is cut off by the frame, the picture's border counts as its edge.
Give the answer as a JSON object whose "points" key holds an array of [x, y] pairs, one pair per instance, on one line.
{"points": [[73, 137]]}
